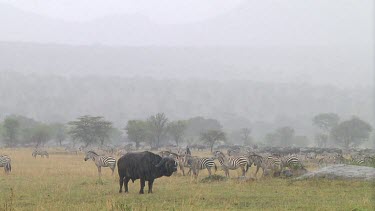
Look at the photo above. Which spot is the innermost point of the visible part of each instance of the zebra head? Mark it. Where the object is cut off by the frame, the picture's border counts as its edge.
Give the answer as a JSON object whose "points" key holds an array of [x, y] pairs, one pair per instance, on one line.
{"points": [[218, 154], [90, 155]]}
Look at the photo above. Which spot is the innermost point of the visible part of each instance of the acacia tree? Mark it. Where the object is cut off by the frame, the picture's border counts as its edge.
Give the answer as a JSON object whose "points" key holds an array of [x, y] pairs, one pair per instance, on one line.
{"points": [[176, 130], [351, 133], [137, 131], [211, 137], [11, 129], [157, 126], [325, 122], [89, 130]]}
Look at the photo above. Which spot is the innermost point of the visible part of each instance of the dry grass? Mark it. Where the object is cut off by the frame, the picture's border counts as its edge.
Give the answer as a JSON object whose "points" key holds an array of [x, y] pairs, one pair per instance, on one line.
{"points": [[66, 182]]}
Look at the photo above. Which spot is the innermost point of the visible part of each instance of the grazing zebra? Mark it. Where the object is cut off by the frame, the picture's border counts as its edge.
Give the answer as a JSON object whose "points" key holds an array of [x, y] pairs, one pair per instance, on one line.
{"points": [[202, 163], [42, 153], [257, 160], [6, 163], [291, 161], [273, 162], [71, 150], [232, 163], [101, 161]]}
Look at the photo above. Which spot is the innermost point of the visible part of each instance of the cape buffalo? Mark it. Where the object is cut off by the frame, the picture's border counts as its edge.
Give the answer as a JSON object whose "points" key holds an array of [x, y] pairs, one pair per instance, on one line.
{"points": [[145, 166]]}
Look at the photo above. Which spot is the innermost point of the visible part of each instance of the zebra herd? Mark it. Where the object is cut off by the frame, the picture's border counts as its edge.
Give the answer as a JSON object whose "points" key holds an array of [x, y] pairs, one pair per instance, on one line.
{"points": [[269, 163], [243, 159]]}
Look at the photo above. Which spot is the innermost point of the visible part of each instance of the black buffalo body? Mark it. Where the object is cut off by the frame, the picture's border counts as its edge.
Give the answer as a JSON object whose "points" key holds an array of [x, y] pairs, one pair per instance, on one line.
{"points": [[145, 166]]}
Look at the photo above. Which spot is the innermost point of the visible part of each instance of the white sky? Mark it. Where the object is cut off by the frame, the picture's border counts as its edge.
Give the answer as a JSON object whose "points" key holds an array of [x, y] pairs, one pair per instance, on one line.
{"points": [[160, 11]]}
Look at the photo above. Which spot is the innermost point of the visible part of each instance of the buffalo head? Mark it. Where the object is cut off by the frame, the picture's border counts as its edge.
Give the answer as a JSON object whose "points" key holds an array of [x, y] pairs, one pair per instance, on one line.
{"points": [[167, 165]]}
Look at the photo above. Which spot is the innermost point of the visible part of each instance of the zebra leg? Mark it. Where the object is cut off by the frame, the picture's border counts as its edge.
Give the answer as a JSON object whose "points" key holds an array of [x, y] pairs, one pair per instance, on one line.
{"points": [[243, 171], [142, 186], [256, 172], [113, 169], [150, 186], [100, 171], [209, 171], [126, 184]]}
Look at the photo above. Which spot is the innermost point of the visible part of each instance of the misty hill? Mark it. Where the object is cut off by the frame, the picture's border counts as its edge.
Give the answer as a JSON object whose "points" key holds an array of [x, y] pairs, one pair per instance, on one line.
{"points": [[236, 103], [316, 65]]}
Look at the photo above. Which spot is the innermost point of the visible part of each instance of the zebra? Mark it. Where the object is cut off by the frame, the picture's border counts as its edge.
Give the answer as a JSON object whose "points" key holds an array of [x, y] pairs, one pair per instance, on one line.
{"points": [[5, 162], [71, 150], [258, 161], [232, 163], [101, 161], [291, 161], [202, 163], [42, 153], [273, 162]]}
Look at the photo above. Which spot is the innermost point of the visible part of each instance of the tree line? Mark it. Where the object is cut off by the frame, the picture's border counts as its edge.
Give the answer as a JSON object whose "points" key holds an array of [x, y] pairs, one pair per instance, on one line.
{"points": [[157, 130]]}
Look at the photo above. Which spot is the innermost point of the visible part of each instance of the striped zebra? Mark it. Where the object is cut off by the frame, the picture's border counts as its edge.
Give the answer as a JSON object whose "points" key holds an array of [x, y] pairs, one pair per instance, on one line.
{"points": [[42, 153], [101, 161], [291, 161], [273, 162], [5, 162], [258, 161], [232, 163], [202, 163]]}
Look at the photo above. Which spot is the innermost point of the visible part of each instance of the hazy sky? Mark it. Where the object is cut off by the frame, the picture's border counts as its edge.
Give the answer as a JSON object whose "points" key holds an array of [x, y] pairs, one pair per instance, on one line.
{"points": [[161, 11], [324, 29]]}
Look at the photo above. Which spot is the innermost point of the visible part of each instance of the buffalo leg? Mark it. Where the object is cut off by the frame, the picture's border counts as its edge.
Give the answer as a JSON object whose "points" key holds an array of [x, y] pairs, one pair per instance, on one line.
{"points": [[150, 186], [142, 186], [121, 183], [126, 184]]}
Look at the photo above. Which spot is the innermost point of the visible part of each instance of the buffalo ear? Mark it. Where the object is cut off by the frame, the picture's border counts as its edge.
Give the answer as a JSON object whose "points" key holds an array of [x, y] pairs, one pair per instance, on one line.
{"points": [[163, 160]]}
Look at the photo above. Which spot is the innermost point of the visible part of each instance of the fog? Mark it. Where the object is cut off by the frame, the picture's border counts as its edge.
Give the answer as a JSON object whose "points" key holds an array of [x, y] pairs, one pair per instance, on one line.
{"points": [[257, 64]]}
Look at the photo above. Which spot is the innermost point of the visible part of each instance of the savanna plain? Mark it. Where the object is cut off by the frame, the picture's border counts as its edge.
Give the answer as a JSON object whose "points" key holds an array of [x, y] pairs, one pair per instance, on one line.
{"points": [[67, 182]]}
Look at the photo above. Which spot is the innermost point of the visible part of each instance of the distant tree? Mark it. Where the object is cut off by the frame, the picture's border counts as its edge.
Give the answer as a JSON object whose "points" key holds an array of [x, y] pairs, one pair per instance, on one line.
{"points": [[40, 134], [116, 135], [158, 128], [321, 139], [89, 130], [351, 133], [197, 125], [301, 141], [325, 122], [137, 131], [211, 137], [10, 131], [246, 136], [285, 136], [59, 132], [271, 139], [176, 130]]}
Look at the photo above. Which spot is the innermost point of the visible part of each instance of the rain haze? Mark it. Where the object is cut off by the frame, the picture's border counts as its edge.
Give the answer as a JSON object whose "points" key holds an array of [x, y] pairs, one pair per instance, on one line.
{"points": [[287, 74]]}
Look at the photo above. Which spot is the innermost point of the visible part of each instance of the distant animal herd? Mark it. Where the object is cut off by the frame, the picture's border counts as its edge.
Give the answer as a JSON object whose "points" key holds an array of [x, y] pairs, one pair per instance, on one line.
{"points": [[148, 166]]}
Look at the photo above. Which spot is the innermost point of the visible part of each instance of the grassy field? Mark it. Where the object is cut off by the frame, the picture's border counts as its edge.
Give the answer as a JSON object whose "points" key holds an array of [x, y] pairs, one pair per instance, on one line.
{"points": [[66, 182]]}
